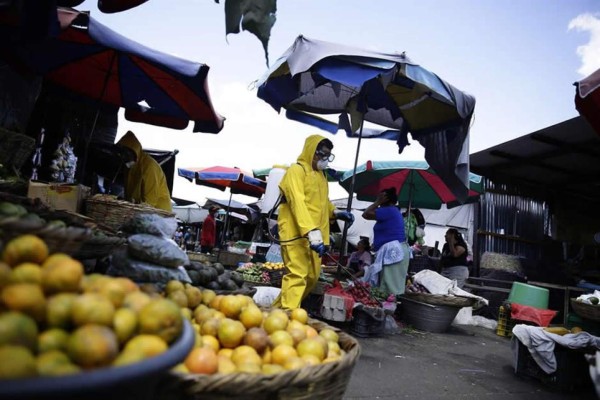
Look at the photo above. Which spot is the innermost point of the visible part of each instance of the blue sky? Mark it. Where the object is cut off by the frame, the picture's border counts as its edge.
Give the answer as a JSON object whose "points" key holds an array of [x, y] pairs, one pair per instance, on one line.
{"points": [[518, 58]]}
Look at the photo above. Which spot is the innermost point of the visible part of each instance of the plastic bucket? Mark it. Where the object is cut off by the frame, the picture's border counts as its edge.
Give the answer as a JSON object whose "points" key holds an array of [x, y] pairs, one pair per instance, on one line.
{"points": [[529, 295]]}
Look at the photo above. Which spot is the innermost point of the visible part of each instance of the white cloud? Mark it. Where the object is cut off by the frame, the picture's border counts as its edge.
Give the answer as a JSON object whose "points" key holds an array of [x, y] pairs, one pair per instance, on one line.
{"points": [[589, 52]]}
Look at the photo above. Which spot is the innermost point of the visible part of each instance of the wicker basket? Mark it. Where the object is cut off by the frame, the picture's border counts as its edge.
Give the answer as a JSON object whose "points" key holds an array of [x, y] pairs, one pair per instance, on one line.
{"points": [[114, 213], [15, 148], [441, 299], [329, 269], [201, 257], [232, 259], [587, 311], [58, 239], [324, 381]]}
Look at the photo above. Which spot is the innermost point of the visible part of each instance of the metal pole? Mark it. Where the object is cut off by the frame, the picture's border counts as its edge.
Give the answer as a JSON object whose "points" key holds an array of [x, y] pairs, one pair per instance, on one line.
{"points": [[89, 137], [343, 246]]}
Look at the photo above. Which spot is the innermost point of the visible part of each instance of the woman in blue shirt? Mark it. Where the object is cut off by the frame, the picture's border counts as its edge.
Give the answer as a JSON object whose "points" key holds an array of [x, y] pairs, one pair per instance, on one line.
{"points": [[392, 257]]}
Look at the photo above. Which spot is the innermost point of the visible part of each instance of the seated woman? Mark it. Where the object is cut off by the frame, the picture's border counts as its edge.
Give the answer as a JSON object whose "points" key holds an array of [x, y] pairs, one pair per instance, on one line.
{"points": [[454, 257], [361, 258]]}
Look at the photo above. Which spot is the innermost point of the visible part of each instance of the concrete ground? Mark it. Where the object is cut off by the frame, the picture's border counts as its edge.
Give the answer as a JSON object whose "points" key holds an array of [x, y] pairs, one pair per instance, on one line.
{"points": [[464, 363]]}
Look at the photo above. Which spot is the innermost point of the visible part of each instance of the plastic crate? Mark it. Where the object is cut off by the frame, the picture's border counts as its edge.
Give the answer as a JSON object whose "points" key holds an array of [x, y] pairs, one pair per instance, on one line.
{"points": [[572, 372], [368, 322]]}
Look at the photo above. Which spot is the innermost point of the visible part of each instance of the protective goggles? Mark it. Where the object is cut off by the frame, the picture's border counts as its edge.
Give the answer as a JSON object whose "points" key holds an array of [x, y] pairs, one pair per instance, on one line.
{"points": [[325, 156]]}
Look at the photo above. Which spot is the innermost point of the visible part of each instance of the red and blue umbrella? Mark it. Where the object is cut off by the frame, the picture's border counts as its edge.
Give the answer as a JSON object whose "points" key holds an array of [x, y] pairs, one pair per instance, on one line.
{"points": [[222, 178], [90, 59], [417, 185]]}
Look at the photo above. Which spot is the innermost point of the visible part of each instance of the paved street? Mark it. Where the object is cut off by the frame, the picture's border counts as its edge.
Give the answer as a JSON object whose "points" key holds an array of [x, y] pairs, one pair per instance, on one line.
{"points": [[465, 363]]}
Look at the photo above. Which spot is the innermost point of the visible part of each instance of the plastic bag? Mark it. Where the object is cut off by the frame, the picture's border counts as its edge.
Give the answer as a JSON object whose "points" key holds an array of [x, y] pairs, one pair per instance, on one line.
{"points": [[152, 224], [141, 271], [157, 250], [265, 296], [390, 327]]}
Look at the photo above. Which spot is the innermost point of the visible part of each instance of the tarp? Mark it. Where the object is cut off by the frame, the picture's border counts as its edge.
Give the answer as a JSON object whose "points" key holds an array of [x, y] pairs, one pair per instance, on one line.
{"points": [[190, 214]]}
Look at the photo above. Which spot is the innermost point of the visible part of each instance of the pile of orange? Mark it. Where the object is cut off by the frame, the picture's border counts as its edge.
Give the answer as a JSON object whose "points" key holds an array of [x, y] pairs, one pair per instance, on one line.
{"points": [[54, 320], [234, 335]]}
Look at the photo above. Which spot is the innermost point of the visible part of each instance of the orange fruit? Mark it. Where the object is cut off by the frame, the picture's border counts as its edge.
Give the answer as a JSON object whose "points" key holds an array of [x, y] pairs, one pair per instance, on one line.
{"points": [[112, 290], [27, 298], [311, 332], [269, 369], [173, 286], [281, 353], [16, 362], [56, 257], [147, 345], [297, 334], [245, 355], [63, 275], [202, 360], [313, 347], [52, 339], [208, 296], [230, 333], [127, 284], [18, 329], [330, 335], [161, 317], [251, 316], [226, 366], [202, 313], [92, 346], [225, 352], [280, 337], [194, 296], [275, 322], [231, 306], [26, 273], [59, 309], [257, 338], [136, 301], [210, 327], [215, 301], [92, 308], [25, 248], [294, 363], [124, 324], [5, 271], [211, 341], [310, 359], [179, 298], [300, 315]]}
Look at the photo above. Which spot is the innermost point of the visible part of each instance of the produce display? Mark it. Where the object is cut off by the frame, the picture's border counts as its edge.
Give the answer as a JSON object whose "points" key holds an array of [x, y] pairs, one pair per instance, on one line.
{"points": [[57, 321], [561, 330], [214, 276], [362, 293], [260, 272], [234, 335]]}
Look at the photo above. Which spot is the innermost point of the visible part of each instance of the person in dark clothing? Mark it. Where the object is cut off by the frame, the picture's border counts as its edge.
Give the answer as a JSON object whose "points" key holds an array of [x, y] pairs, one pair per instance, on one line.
{"points": [[454, 257]]}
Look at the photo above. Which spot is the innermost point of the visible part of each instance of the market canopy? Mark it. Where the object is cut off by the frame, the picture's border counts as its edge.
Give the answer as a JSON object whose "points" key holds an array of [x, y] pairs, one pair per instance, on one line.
{"points": [[587, 99], [332, 175]]}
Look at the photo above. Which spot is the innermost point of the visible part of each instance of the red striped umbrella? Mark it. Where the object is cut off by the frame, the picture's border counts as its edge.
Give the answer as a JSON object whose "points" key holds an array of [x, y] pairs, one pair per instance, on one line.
{"points": [[587, 99], [417, 185]]}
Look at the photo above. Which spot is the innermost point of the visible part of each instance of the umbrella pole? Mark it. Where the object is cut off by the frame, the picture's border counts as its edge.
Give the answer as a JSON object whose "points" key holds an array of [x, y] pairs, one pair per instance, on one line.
{"points": [[89, 137], [344, 246]]}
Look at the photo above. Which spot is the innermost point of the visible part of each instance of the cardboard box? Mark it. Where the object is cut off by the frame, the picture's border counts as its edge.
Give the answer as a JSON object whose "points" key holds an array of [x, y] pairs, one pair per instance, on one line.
{"points": [[334, 308], [59, 196]]}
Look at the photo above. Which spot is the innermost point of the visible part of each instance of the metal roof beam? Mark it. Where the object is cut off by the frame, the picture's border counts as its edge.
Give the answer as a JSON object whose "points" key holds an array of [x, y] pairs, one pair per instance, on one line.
{"points": [[586, 147], [517, 161]]}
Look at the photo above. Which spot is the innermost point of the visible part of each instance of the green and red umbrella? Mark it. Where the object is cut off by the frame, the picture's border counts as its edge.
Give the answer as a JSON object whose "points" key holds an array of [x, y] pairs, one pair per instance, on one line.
{"points": [[417, 185]]}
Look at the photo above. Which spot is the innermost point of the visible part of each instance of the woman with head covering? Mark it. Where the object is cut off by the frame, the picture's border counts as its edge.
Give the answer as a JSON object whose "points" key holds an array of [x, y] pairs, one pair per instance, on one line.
{"points": [[392, 257]]}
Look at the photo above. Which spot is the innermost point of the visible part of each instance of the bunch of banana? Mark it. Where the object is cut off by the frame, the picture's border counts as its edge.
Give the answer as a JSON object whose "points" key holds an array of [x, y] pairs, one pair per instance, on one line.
{"points": [[561, 330]]}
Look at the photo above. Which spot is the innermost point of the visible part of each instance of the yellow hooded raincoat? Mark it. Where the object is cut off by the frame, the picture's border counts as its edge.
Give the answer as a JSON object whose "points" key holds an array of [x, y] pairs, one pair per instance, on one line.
{"points": [[306, 207], [145, 181]]}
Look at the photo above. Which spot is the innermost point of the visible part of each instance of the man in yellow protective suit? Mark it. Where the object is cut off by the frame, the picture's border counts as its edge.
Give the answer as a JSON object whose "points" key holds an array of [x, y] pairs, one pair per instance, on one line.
{"points": [[303, 220], [145, 181]]}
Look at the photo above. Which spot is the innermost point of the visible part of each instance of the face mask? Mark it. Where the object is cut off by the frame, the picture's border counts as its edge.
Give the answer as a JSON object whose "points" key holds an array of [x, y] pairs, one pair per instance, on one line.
{"points": [[322, 164], [130, 164]]}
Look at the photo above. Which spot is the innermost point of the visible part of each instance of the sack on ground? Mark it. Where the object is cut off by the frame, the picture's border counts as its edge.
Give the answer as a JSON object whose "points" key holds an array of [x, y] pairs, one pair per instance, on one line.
{"points": [[157, 250], [141, 271], [152, 224]]}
